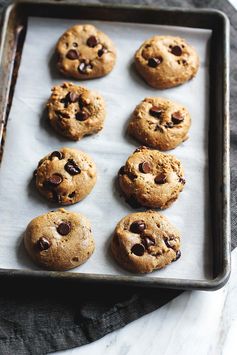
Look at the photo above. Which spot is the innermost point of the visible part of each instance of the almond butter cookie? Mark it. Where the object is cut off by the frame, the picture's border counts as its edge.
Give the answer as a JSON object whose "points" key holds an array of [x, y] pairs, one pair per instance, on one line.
{"points": [[145, 241], [160, 123], [150, 178], [59, 240], [84, 52], [166, 61], [75, 112], [65, 176]]}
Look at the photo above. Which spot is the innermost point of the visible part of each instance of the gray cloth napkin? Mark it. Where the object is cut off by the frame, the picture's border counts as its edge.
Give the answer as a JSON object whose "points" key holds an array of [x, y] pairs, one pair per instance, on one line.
{"points": [[43, 317]]}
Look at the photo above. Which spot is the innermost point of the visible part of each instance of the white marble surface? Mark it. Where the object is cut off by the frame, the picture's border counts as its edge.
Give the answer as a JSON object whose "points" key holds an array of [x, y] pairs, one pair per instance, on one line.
{"points": [[197, 323]]}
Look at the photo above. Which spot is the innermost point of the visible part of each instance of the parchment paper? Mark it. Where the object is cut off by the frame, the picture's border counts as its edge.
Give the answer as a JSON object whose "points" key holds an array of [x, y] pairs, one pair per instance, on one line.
{"points": [[29, 139]]}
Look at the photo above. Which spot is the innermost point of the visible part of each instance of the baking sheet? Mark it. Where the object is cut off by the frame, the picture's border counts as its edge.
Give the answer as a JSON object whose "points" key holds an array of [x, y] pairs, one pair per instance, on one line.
{"points": [[29, 139]]}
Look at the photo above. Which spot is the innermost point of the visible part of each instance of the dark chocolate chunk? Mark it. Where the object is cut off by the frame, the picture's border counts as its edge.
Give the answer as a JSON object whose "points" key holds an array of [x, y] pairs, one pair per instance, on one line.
{"points": [[92, 41], [73, 194], [73, 96], [53, 181], [176, 50], [166, 240], [160, 179], [43, 244], [182, 180], [64, 228], [56, 197], [72, 54], [83, 67], [178, 255], [102, 51], [138, 249], [155, 112], [148, 241], [154, 62], [56, 154], [122, 170], [71, 167], [82, 116], [137, 227], [177, 117], [145, 167]]}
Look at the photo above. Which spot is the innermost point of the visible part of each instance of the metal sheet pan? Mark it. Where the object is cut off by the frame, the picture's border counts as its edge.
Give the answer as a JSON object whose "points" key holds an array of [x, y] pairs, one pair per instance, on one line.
{"points": [[12, 40]]}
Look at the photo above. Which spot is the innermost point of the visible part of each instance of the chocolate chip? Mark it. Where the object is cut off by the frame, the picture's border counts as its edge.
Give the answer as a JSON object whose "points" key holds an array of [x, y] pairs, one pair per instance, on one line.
{"points": [[69, 98], [169, 125], [177, 117], [73, 194], [176, 50], [81, 102], [148, 241], [82, 116], [56, 197], [71, 167], [182, 180], [155, 112], [72, 54], [56, 154], [64, 228], [43, 244], [121, 170], [102, 51], [154, 61], [166, 240], [160, 179], [131, 175], [178, 255], [132, 201], [145, 167], [73, 96], [138, 249], [137, 227], [92, 41], [83, 68], [53, 181]]}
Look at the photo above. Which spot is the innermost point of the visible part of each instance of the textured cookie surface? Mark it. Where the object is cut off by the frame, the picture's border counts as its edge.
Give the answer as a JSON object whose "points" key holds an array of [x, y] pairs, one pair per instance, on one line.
{"points": [[166, 61], [84, 52], [151, 179], [145, 241], [160, 123], [59, 240], [65, 176], [75, 111]]}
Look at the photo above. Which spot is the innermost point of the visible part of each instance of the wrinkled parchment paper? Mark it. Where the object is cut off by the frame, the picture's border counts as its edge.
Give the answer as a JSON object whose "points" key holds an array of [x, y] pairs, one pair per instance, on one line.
{"points": [[29, 139]]}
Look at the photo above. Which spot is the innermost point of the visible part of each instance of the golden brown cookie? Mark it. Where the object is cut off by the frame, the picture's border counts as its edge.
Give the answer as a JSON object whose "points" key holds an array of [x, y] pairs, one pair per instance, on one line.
{"points": [[84, 52], [75, 111], [166, 61], [145, 241], [65, 176], [160, 123], [150, 178], [59, 240]]}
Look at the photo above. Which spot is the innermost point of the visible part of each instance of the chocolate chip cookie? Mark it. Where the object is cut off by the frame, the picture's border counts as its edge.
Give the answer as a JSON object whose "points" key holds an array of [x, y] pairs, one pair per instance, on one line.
{"points": [[65, 176], [166, 61], [59, 240], [150, 178], [160, 123], [75, 112], [145, 241], [84, 52]]}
